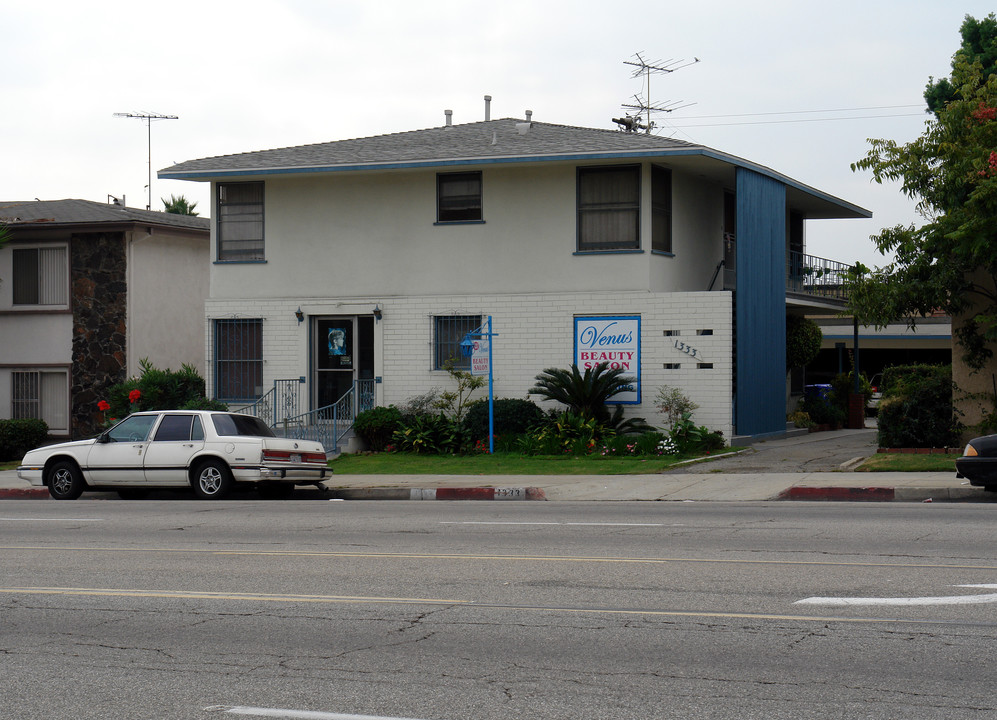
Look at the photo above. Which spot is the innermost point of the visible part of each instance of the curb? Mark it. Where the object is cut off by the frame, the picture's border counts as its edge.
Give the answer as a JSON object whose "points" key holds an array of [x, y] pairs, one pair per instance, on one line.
{"points": [[866, 494], [470, 493], [887, 494], [32, 493]]}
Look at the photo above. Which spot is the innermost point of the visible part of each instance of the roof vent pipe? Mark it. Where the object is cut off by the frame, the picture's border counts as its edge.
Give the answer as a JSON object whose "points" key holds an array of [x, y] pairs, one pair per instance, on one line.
{"points": [[488, 108], [529, 116], [449, 114]]}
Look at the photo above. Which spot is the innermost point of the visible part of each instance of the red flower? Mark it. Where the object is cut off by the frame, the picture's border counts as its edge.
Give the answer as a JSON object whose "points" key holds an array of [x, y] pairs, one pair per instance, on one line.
{"points": [[103, 406], [134, 395]]}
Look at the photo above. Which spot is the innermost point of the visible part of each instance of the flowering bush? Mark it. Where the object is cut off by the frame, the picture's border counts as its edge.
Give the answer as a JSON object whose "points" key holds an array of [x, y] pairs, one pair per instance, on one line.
{"points": [[134, 395], [103, 406]]}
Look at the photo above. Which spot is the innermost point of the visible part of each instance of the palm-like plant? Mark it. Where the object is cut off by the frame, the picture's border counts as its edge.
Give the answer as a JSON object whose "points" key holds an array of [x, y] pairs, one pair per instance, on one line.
{"points": [[585, 393], [179, 205]]}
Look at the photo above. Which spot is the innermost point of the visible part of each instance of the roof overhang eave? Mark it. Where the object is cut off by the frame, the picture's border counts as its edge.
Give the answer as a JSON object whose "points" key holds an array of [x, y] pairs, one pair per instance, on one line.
{"points": [[836, 207]]}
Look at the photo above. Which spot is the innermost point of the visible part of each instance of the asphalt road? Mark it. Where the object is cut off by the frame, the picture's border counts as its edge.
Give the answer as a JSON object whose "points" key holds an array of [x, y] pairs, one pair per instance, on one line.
{"points": [[445, 611]]}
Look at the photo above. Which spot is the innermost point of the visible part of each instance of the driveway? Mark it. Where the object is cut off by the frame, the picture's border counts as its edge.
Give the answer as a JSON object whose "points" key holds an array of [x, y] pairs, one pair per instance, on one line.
{"points": [[815, 452]]}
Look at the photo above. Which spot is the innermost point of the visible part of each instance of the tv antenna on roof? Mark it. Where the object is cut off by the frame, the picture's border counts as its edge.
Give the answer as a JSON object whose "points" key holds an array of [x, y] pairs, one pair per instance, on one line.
{"points": [[644, 106], [148, 118]]}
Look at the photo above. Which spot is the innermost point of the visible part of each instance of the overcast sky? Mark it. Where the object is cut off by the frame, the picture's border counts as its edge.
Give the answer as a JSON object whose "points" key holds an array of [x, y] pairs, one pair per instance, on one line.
{"points": [[795, 85]]}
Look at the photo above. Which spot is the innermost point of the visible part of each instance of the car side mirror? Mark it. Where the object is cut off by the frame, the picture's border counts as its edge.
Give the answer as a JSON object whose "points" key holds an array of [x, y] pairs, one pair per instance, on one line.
{"points": [[104, 437]]}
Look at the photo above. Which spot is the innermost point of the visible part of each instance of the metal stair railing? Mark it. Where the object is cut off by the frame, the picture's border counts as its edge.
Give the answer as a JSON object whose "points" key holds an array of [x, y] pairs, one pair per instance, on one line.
{"points": [[330, 424], [281, 401]]}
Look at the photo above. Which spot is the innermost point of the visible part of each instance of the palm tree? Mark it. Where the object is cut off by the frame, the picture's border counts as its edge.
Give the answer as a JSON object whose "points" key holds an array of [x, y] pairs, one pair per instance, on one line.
{"points": [[179, 205], [585, 393]]}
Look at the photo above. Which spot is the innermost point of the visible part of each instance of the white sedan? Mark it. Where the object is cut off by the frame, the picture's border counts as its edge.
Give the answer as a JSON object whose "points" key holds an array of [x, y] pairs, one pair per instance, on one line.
{"points": [[208, 451]]}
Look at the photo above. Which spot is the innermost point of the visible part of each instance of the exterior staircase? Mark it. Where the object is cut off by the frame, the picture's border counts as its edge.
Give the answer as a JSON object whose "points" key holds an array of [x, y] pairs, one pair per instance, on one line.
{"points": [[331, 425]]}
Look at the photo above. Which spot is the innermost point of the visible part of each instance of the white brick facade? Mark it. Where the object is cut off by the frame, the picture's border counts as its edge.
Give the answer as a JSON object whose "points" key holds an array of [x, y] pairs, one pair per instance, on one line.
{"points": [[535, 331]]}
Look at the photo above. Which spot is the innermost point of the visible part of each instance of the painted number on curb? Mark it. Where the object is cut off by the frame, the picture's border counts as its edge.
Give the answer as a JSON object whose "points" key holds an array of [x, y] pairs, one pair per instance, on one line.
{"points": [[509, 494]]}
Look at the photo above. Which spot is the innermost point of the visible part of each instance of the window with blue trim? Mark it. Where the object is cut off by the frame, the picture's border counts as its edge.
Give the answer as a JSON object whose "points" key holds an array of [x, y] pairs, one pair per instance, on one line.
{"points": [[240, 222], [661, 209], [609, 208], [458, 197]]}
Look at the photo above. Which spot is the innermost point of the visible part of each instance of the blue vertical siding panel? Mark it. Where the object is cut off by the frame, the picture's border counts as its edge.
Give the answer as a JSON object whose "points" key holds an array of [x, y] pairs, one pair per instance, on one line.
{"points": [[761, 305]]}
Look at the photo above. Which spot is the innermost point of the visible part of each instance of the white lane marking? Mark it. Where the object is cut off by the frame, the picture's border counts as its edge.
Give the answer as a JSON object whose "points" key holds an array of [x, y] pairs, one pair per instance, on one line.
{"points": [[583, 524], [943, 600], [294, 714], [55, 519]]}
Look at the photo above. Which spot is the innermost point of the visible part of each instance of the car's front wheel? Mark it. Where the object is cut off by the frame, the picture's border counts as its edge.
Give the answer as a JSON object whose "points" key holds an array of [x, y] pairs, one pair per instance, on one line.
{"points": [[212, 480], [65, 481]]}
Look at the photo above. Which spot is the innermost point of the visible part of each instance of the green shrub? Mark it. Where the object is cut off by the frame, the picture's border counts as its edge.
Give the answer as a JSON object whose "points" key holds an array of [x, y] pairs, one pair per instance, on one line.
{"points": [[843, 386], [156, 389], [19, 436], [820, 405], [428, 434], [673, 404], [916, 409], [511, 416], [377, 426]]}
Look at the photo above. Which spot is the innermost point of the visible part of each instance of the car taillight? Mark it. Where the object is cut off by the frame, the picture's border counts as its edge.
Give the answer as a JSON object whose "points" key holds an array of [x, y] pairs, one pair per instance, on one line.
{"points": [[290, 456]]}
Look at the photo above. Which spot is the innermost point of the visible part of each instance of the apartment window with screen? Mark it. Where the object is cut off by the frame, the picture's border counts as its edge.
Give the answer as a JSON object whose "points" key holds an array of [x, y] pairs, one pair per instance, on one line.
{"points": [[458, 197], [40, 276], [41, 395], [609, 208], [238, 359], [661, 209], [448, 333], [240, 222]]}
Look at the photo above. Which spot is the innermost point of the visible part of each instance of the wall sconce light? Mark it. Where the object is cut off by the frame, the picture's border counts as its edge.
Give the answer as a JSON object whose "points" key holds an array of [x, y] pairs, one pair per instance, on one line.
{"points": [[300, 315], [378, 313]]}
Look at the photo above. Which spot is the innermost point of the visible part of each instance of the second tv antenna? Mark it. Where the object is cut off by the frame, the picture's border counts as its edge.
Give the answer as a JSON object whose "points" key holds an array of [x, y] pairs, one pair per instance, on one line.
{"points": [[148, 118], [641, 120]]}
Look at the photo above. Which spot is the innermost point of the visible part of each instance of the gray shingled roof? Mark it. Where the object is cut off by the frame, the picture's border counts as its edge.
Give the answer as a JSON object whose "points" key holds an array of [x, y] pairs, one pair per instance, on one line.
{"points": [[508, 140], [492, 140], [86, 212]]}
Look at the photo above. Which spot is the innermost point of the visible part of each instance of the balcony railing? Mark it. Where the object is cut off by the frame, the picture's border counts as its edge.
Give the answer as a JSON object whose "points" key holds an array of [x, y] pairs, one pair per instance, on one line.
{"points": [[819, 277]]}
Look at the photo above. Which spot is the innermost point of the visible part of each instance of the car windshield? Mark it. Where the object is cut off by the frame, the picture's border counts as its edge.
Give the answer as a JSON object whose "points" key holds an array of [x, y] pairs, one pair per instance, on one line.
{"points": [[240, 425]]}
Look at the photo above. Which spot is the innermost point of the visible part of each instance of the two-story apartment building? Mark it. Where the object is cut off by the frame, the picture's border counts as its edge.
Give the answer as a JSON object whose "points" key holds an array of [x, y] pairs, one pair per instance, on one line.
{"points": [[87, 290], [368, 261]]}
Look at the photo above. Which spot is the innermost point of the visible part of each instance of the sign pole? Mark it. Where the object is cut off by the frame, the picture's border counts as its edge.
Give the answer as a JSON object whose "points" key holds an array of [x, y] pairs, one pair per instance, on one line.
{"points": [[491, 393]]}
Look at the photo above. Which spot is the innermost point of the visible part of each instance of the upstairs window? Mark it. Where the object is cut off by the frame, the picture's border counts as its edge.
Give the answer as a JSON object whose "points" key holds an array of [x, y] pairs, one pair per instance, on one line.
{"points": [[661, 209], [458, 197], [240, 222], [41, 276], [609, 208]]}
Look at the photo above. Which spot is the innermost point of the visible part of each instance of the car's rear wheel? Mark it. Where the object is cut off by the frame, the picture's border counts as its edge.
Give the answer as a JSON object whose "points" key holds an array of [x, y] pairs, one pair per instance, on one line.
{"points": [[65, 481], [212, 480], [275, 490]]}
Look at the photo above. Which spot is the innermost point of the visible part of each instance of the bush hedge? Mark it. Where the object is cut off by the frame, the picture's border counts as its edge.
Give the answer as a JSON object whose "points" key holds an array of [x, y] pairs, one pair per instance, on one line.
{"points": [[376, 426], [19, 436], [916, 408], [511, 416]]}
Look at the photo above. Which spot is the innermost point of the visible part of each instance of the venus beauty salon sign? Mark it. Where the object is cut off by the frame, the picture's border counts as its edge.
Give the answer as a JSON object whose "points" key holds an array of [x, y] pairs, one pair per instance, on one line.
{"points": [[613, 340]]}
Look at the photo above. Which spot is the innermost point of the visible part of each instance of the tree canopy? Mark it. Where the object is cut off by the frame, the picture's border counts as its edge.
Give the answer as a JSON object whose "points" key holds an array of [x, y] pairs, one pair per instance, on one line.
{"points": [[979, 42], [179, 205], [948, 264]]}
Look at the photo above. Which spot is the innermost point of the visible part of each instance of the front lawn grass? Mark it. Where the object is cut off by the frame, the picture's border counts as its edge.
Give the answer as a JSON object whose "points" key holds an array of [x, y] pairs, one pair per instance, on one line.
{"points": [[907, 462], [503, 464]]}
